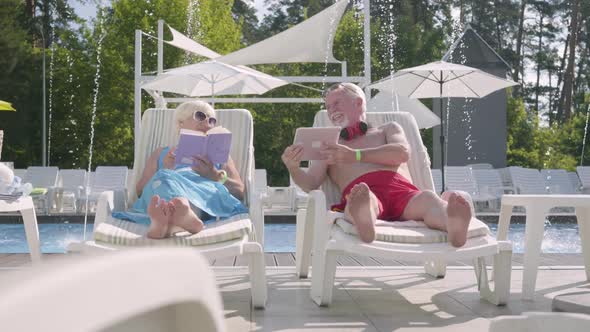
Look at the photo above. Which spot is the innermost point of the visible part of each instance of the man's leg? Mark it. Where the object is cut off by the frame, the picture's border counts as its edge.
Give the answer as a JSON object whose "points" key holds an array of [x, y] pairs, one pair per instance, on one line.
{"points": [[160, 220], [452, 216], [362, 208]]}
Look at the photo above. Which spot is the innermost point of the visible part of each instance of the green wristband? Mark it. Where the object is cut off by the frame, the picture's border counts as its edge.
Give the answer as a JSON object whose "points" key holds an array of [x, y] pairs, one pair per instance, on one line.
{"points": [[358, 155], [223, 176]]}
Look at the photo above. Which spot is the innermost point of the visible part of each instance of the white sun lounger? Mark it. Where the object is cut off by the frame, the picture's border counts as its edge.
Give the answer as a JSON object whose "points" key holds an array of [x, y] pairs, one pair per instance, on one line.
{"points": [[323, 232], [541, 322], [240, 235], [158, 289]]}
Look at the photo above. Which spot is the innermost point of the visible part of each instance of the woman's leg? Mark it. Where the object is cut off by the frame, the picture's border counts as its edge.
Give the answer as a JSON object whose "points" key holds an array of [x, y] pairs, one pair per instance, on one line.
{"points": [[159, 216], [183, 216], [452, 216]]}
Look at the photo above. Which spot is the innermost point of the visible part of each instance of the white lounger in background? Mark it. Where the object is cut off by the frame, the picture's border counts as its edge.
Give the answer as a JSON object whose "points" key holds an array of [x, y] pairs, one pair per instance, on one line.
{"points": [[106, 178], [42, 177], [71, 184], [541, 322], [155, 289]]}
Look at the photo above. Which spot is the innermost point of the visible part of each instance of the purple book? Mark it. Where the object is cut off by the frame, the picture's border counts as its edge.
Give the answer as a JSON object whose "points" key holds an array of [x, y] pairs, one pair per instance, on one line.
{"points": [[214, 144]]}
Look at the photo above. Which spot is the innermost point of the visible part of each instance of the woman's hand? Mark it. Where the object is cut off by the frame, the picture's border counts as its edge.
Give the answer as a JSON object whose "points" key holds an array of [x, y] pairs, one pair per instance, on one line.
{"points": [[205, 168], [169, 160]]}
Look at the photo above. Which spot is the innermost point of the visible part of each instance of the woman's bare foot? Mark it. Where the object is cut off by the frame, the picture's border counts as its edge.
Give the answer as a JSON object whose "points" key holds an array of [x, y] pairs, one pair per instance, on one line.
{"points": [[359, 209], [158, 212], [459, 213], [183, 216]]}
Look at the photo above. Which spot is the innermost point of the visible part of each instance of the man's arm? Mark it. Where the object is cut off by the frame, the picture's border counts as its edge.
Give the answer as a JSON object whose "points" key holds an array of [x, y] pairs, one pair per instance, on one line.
{"points": [[307, 181], [395, 152]]}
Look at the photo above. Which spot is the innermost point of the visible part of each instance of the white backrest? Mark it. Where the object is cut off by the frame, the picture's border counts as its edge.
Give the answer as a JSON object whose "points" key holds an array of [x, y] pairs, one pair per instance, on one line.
{"points": [[158, 129], [20, 172], [437, 178], [505, 176], [417, 169], [584, 175], [71, 178], [481, 166], [460, 178], [40, 176], [558, 181], [574, 179], [260, 180], [489, 178], [528, 181], [109, 178]]}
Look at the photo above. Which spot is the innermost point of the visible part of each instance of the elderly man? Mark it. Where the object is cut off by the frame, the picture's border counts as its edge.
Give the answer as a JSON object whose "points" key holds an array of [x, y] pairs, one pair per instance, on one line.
{"points": [[364, 164]]}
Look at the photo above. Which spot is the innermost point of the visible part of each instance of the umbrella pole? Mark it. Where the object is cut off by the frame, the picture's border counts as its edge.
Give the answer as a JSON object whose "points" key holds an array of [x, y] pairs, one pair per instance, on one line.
{"points": [[442, 138], [213, 95]]}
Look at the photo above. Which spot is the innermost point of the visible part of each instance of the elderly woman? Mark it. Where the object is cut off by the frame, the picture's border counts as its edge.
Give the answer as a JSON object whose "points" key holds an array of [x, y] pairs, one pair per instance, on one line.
{"points": [[184, 196]]}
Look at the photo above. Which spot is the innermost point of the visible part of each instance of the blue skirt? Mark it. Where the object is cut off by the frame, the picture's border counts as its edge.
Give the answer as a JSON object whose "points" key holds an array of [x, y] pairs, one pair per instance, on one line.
{"points": [[208, 196]]}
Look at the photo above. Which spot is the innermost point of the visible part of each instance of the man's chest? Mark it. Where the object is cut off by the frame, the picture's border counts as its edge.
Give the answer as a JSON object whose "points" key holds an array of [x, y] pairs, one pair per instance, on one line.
{"points": [[372, 139]]}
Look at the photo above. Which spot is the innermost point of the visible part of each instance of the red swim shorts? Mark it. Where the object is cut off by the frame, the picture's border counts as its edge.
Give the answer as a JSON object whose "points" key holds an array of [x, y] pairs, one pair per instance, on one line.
{"points": [[392, 190]]}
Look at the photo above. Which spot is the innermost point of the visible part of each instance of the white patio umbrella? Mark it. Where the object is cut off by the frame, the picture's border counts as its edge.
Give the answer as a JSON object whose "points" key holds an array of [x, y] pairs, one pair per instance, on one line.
{"points": [[210, 78], [442, 79], [386, 101]]}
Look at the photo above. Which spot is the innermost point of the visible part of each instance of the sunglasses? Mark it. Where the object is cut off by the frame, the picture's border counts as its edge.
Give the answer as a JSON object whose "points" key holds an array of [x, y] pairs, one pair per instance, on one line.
{"points": [[200, 116]]}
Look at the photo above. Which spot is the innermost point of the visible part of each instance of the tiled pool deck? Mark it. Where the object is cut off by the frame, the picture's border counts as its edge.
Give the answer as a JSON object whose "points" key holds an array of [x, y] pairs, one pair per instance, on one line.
{"points": [[374, 295]]}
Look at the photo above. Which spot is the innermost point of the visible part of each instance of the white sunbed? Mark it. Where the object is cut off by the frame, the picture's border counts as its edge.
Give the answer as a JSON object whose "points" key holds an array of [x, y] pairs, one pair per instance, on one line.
{"points": [[489, 181], [541, 322], [461, 178], [240, 235], [136, 290], [106, 178], [42, 177], [584, 176], [558, 181], [71, 184], [323, 232]]}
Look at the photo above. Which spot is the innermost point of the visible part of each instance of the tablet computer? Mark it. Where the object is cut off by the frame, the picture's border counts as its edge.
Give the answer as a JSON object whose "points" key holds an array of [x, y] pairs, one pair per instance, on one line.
{"points": [[312, 138]]}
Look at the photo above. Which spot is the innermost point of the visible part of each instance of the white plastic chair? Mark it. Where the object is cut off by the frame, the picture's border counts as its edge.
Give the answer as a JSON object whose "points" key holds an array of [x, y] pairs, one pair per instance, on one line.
{"points": [[106, 178], [528, 181], [489, 181], [575, 181], [437, 178], [461, 178], [584, 176], [318, 230], [70, 187], [541, 322], [42, 177], [114, 292], [558, 181], [240, 235]]}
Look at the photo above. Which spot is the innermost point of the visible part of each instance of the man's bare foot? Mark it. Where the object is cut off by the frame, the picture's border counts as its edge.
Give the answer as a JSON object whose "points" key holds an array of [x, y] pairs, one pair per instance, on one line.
{"points": [[183, 216], [363, 215], [459, 213], [158, 212]]}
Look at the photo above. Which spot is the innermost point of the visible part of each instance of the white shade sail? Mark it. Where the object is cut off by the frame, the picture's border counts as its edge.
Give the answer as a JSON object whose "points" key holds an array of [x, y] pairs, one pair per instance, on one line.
{"points": [[308, 41], [212, 78], [386, 101], [442, 80], [183, 42]]}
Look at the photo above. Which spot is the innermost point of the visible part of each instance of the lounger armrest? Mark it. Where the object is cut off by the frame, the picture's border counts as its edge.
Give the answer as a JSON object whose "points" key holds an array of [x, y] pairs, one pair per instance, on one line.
{"points": [[120, 199], [105, 207], [256, 208]]}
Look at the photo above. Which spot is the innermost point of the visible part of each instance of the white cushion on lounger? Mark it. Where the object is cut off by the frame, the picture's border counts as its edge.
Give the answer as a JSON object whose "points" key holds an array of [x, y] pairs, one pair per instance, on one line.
{"points": [[122, 232], [413, 231]]}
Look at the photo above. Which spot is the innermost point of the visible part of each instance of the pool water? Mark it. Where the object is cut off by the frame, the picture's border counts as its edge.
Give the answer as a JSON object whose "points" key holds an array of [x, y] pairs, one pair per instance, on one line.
{"points": [[558, 238]]}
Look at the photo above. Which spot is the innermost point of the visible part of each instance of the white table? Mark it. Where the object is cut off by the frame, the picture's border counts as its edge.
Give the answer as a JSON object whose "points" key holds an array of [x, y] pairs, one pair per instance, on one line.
{"points": [[537, 207], [25, 206]]}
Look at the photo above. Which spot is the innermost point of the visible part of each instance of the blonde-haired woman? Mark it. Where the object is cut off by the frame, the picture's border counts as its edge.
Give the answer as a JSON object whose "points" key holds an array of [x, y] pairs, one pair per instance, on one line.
{"points": [[179, 196]]}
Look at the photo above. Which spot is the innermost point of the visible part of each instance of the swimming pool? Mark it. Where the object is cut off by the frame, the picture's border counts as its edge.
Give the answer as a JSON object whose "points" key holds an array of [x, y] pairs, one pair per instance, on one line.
{"points": [[558, 238]]}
